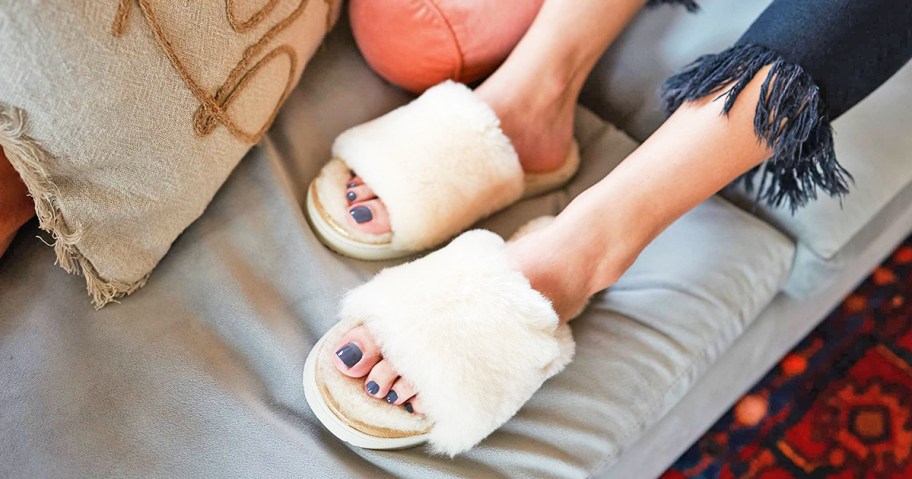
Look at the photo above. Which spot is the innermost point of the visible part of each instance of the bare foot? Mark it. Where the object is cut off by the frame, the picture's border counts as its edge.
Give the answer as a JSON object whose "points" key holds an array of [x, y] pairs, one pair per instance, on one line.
{"points": [[539, 123]]}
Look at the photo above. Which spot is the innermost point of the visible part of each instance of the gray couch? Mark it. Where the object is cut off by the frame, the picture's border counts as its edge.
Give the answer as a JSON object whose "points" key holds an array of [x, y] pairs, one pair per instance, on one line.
{"points": [[199, 373]]}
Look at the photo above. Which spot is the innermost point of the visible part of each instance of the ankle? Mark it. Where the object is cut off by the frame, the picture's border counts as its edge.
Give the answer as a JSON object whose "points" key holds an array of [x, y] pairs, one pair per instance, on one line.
{"points": [[511, 91], [600, 238], [566, 267], [538, 118], [548, 273]]}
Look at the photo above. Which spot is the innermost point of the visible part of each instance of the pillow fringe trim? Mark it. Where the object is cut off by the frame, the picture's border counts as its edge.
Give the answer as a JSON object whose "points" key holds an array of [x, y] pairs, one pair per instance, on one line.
{"points": [[28, 157]]}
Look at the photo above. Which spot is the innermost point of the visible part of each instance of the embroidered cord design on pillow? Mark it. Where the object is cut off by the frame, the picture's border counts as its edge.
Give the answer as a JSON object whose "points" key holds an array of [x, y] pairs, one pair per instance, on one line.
{"points": [[213, 109], [242, 26], [170, 94]]}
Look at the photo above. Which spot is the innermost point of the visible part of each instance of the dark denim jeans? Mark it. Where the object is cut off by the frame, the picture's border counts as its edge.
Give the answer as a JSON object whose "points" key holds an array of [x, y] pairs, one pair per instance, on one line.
{"points": [[849, 47], [824, 57]]}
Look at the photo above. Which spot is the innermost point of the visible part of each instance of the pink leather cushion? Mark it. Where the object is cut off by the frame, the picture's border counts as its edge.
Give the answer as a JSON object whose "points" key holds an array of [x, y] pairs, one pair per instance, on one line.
{"points": [[417, 44]]}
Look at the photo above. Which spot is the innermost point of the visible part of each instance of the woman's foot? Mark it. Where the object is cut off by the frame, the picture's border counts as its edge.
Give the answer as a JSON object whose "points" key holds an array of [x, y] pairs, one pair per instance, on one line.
{"points": [[557, 259], [538, 122]]}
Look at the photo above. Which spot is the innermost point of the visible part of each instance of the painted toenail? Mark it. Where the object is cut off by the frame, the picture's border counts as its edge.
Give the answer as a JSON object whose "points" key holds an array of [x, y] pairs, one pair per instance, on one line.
{"points": [[351, 185], [351, 175], [372, 388], [350, 354], [351, 196], [361, 214], [408, 407], [391, 397]]}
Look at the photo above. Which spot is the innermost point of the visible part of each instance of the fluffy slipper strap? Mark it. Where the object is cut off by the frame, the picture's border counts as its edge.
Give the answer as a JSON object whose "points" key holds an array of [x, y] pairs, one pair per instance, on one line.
{"points": [[467, 331], [440, 163]]}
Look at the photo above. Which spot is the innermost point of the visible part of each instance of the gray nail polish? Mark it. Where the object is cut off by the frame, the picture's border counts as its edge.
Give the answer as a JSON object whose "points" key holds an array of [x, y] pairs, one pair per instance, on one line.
{"points": [[351, 185], [408, 407], [349, 354], [351, 196], [361, 214], [372, 388], [391, 397]]}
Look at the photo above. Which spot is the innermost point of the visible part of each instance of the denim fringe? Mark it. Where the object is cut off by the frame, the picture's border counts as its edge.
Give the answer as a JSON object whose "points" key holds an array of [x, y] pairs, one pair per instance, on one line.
{"points": [[690, 5], [790, 119]]}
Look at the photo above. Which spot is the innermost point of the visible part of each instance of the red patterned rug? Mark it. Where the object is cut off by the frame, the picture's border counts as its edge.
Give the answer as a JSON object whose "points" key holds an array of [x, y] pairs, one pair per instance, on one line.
{"points": [[838, 406]]}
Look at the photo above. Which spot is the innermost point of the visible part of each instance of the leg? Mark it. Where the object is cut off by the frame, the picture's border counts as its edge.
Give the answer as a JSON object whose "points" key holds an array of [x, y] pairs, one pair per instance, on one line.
{"points": [[765, 93], [691, 157], [15, 205], [534, 93]]}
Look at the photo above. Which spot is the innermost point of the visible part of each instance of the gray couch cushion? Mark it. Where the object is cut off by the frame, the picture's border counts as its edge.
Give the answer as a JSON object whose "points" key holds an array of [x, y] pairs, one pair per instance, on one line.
{"points": [[873, 140], [198, 374]]}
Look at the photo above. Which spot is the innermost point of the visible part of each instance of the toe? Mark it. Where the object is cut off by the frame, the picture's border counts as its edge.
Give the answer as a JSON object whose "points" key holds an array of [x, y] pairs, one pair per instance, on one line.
{"points": [[366, 212], [400, 392], [359, 194], [356, 353], [354, 181], [369, 216], [414, 405], [380, 379]]}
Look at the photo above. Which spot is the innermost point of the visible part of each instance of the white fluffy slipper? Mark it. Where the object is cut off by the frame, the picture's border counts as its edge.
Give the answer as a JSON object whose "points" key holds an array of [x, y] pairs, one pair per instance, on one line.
{"points": [[439, 163], [460, 325]]}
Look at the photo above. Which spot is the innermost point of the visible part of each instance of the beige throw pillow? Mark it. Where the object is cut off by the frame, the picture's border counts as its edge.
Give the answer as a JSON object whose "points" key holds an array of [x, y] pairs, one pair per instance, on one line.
{"points": [[123, 117]]}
